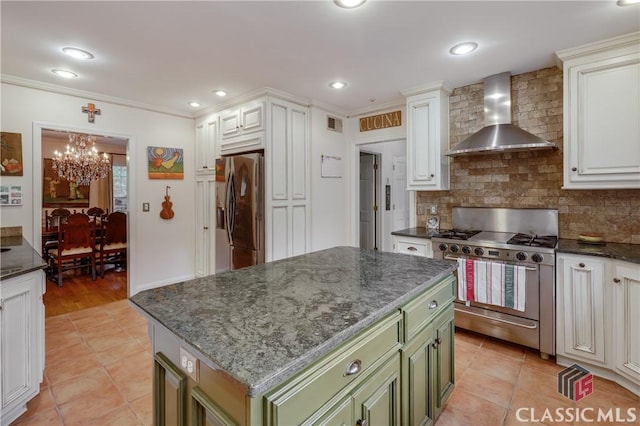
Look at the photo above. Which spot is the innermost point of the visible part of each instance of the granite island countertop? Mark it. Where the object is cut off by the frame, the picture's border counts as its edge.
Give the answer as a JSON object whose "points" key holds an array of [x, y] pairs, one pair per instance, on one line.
{"points": [[618, 251], [264, 324], [19, 259]]}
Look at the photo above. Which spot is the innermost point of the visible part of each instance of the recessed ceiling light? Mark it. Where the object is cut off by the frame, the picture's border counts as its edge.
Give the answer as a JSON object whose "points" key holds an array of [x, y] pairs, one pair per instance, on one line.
{"points": [[77, 53], [337, 84], [463, 48], [194, 104], [64, 73], [349, 4], [220, 93], [627, 2]]}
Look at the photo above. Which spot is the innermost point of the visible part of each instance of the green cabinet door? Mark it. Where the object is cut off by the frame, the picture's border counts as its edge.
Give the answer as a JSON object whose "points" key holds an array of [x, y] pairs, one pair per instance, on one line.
{"points": [[377, 401], [443, 358], [169, 392], [418, 376]]}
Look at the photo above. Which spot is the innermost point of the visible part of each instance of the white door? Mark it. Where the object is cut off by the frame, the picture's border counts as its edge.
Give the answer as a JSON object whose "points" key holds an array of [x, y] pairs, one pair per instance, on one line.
{"points": [[367, 201], [399, 194]]}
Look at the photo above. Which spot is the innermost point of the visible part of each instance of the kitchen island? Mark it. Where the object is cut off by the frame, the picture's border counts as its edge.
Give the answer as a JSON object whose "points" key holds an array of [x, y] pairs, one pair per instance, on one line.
{"points": [[297, 340]]}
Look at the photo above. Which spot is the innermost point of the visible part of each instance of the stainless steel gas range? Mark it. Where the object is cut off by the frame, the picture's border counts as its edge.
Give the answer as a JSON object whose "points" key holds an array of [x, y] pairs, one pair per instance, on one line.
{"points": [[506, 264]]}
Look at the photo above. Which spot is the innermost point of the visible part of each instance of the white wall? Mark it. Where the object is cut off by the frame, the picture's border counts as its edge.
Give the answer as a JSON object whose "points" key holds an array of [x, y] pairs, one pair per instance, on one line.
{"points": [[330, 197], [389, 142], [161, 251]]}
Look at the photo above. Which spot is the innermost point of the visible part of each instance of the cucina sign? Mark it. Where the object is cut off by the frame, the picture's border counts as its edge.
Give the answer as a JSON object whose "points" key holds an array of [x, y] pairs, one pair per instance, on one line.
{"points": [[381, 121]]}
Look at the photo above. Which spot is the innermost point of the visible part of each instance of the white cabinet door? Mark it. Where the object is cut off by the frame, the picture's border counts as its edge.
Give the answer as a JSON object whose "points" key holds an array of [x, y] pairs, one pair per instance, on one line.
{"points": [[581, 308], [287, 181], [241, 130], [206, 145], [205, 225], [626, 312], [427, 140], [601, 110], [22, 345]]}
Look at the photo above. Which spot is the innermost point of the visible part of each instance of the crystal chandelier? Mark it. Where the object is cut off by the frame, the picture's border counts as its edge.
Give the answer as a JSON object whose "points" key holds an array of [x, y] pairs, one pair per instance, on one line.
{"points": [[81, 163]]}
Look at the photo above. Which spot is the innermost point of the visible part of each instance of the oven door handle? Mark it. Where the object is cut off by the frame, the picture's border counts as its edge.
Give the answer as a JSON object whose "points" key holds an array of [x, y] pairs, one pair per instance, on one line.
{"points": [[525, 267], [497, 319]]}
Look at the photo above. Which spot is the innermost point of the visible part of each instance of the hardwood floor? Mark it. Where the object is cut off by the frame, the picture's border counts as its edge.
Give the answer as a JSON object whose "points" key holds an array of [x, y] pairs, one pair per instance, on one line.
{"points": [[79, 291]]}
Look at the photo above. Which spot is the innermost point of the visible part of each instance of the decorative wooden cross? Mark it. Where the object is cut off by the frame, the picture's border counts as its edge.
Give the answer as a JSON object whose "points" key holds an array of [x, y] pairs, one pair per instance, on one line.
{"points": [[92, 111]]}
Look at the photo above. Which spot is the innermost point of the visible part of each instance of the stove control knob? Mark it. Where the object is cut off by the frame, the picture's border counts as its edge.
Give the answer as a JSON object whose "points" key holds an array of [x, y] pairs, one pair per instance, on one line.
{"points": [[466, 249], [521, 256], [442, 247], [454, 248], [479, 251], [537, 258]]}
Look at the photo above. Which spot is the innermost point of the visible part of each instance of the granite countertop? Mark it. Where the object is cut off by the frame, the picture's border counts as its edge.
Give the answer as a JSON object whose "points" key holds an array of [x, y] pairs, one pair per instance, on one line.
{"points": [[418, 232], [264, 324], [619, 251], [20, 259]]}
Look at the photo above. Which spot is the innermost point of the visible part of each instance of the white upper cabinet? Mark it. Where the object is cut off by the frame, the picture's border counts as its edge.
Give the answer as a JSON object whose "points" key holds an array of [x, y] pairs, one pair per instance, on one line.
{"points": [[428, 138], [601, 110], [206, 145], [242, 129]]}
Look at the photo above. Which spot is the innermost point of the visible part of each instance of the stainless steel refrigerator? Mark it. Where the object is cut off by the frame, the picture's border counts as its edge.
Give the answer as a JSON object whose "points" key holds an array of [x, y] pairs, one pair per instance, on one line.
{"points": [[240, 212]]}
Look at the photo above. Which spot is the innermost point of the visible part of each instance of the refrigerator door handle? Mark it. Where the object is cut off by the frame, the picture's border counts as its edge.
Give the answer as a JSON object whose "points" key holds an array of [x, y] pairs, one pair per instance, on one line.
{"points": [[230, 211]]}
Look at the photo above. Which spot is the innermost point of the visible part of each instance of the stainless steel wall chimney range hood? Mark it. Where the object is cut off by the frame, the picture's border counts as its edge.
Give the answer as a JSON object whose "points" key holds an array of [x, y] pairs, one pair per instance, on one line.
{"points": [[498, 134]]}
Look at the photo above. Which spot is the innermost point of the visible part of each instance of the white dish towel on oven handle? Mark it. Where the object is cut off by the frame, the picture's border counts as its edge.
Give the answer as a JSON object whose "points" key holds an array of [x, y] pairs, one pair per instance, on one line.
{"points": [[492, 283]]}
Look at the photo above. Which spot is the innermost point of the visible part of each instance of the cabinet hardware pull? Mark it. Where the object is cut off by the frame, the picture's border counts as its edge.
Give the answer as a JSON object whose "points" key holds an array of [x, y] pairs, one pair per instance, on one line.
{"points": [[361, 422], [439, 341], [433, 304], [432, 175], [204, 167], [574, 169], [206, 227], [412, 248], [616, 280], [353, 368], [581, 265]]}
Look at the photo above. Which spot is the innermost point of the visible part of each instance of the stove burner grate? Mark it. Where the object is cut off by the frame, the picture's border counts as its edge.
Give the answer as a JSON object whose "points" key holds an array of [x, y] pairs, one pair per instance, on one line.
{"points": [[457, 234], [547, 241]]}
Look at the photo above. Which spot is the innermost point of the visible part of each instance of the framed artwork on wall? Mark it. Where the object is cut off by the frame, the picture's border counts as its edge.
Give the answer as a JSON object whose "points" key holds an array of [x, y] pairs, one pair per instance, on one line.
{"points": [[10, 195], [10, 154], [59, 192], [165, 163]]}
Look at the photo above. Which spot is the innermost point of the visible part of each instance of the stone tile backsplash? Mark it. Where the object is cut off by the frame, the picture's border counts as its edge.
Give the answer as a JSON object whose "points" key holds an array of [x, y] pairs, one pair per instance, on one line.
{"points": [[528, 179]]}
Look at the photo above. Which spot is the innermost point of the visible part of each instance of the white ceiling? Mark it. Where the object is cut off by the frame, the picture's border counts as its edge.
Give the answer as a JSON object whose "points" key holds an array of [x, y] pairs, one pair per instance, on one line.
{"points": [[165, 54]]}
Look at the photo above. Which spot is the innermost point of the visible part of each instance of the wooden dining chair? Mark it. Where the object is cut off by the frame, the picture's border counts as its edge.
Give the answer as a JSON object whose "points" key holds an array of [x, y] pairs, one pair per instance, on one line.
{"points": [[76, 247], [55, 218], [113, 244]]}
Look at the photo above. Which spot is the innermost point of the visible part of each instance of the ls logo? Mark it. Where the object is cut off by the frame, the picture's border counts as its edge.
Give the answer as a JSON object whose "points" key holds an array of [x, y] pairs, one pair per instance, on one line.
{"points": [[575, 382]]}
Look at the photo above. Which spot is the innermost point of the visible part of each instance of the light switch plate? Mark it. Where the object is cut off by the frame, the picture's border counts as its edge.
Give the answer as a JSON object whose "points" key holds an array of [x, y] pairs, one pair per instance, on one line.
{"points": [[145, 207], [433, 209]]}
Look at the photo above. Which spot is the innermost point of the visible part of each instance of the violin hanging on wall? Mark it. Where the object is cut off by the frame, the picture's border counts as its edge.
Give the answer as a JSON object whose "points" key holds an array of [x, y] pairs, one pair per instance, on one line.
{"points": [[167, 212]]}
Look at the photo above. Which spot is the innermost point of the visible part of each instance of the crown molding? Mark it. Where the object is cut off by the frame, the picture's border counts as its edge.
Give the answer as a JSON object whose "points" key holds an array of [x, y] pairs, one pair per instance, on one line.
{"points": [[436, 85], [397, 103], [54, 88], [251, 96]]}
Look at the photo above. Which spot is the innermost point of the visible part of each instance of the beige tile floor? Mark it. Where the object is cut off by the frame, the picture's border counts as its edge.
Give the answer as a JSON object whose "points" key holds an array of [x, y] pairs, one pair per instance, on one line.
{"points": [[98, 372]]}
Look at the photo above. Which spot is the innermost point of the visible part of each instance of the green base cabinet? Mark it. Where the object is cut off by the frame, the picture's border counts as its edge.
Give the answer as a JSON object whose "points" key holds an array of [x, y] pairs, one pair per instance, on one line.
{"points": [[398, 371]]}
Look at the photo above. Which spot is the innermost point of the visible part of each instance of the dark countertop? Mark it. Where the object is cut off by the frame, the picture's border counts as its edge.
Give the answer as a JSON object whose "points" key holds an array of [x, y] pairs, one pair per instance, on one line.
{"points": [[264, 324], [418, 232], [619, 251], [20, 259]]}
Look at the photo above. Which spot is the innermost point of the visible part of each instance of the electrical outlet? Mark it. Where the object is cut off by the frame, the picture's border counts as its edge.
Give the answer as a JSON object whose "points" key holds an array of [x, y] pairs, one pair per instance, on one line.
{"points": [[189, 364], [145, 207], [433, 209]]}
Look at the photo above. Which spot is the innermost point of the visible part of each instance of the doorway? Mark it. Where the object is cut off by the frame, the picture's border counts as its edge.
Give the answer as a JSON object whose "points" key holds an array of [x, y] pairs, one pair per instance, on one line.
{"points": [[369, 200], [46, 140]]}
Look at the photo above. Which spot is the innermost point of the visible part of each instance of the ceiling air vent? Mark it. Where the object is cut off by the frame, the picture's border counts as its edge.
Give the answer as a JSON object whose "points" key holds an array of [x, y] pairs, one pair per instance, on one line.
{"points": [[334, 124]]}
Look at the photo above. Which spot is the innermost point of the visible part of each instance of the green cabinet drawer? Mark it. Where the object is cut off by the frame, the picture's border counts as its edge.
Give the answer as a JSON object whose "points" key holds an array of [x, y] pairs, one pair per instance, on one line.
{"points": [[301, 397], [420, 311]]}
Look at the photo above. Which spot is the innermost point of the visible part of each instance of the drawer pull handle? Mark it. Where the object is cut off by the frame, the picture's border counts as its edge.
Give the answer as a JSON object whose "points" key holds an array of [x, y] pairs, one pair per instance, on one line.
{"points": [[437, 343], [411, 248], [433, 304], [361, 422], [581, 265], [353, 368], [616, 280]]}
